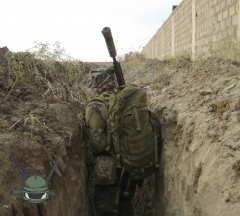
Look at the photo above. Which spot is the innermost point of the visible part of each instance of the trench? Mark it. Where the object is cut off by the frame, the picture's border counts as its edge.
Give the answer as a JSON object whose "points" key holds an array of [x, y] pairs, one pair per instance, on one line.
{"points": [[199, 170]]}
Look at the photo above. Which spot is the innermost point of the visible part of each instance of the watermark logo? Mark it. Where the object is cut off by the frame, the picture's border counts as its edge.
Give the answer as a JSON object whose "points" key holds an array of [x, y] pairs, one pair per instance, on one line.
{"points": [[35, 189]]}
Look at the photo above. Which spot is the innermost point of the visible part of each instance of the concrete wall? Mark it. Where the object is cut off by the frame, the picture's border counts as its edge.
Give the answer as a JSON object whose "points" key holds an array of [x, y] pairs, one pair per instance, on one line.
{"points": [[192, 24]]}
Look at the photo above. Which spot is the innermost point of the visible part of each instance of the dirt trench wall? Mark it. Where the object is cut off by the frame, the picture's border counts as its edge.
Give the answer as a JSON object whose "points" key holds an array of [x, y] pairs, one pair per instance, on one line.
{"points": [[57, 135], [201, 134]]}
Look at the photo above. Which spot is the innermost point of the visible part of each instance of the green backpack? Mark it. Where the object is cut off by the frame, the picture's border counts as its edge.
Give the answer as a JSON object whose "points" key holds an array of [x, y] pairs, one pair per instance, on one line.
{"points": [[133, 130]]}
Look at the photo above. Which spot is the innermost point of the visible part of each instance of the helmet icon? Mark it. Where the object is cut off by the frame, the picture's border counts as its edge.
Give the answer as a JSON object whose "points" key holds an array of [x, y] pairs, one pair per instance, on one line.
{"points": [[35, 189]]}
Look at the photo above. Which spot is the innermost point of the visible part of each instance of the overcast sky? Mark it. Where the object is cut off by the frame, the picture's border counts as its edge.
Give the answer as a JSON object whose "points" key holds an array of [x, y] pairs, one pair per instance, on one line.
{"points": [[77, 24]]}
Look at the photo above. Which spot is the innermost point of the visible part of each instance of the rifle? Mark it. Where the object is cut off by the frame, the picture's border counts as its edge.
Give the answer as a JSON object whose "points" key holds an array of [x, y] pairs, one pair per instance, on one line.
{"points": [[112, 52]]}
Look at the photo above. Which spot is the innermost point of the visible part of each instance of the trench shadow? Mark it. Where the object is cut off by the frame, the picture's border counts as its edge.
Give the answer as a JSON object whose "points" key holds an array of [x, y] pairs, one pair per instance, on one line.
{"points": [[159, 201]]}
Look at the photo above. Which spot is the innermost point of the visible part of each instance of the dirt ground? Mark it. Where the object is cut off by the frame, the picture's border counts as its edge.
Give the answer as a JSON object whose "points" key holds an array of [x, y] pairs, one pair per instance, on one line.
{"points": [[200, 164]]}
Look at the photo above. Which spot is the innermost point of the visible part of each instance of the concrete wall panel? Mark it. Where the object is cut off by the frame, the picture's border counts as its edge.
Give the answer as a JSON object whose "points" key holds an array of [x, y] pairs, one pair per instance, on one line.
{"points": [[193, 24]]}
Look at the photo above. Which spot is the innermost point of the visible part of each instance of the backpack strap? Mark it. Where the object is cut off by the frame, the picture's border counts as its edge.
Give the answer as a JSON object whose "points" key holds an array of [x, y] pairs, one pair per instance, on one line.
{"points": [[112, 130], [156, 149], [117, 150], [136, 116], [118, 192], [108, 135], [126, 193]]}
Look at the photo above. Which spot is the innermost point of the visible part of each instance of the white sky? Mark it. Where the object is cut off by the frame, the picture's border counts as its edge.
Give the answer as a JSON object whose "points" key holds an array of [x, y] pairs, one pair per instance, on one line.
{"points": [[77, 24]]}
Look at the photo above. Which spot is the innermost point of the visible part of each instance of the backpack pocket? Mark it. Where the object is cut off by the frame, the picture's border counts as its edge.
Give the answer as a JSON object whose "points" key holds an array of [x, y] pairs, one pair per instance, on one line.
{"points": [[137, 147], [105, 170]]}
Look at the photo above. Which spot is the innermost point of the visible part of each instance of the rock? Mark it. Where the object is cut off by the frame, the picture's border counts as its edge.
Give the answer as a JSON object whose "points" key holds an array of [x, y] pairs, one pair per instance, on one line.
{"points": [[236, 107], [234, 70], [38, 111], [236, 63], [38, 139], [14, 119], [213, 79], [28, 98], [5, 109], [235, 81], [225, 61], [225, 115], [225, 81], [18, 92], [228, 88], [235, 113], [6, 117], [52, 99], [10, 83], [38, 131], [165, 82], [205, 92], [20, 129], [164, 90]]}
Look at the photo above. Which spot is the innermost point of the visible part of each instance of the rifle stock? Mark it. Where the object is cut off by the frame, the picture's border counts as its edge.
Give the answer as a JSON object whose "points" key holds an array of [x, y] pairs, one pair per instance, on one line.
{"points": [[112, 52]]}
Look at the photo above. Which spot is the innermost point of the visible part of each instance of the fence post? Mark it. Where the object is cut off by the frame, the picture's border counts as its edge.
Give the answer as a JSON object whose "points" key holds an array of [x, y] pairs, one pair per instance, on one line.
{"points": [[172, 33], [194, 29], [162, 42], [238, 26]]}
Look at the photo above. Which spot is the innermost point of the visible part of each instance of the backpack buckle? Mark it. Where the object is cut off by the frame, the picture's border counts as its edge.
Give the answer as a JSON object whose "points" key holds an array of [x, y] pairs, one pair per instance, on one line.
{"points": [[113, 130], [133, 104], [116, 208], [121, 101]]}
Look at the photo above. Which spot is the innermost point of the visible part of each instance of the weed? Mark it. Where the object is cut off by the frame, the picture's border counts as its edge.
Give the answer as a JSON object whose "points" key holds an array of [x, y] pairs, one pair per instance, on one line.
{"points": [[32, 117], [16, 61], [58, 141], [49, 52], [5, 124]]}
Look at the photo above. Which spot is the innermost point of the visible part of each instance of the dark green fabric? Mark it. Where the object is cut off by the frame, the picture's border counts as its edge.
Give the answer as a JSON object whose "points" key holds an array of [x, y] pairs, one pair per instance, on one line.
{"points": [[130, 128]]}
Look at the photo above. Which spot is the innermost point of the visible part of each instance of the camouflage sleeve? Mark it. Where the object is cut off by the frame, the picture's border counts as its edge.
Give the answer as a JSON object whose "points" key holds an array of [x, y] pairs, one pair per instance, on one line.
{"points": [[98, 142]]}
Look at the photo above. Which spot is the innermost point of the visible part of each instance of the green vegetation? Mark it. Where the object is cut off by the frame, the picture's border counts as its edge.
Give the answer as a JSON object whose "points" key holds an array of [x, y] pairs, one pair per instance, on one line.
{"points": [[15, 66], [32, 118], [58, 141]]}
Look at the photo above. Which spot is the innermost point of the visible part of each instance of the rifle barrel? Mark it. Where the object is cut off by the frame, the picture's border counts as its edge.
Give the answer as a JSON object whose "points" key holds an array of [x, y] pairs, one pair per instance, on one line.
{"points": [[109, 41], [112, 52]]}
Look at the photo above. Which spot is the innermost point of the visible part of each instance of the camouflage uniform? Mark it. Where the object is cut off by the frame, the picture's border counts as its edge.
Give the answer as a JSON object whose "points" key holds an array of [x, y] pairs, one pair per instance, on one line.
{"points": [[101, 196]]}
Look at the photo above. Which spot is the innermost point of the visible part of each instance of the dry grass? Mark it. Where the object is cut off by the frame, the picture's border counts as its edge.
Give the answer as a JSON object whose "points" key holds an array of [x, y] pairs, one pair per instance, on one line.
{"points": [[229, 49], [48, 65], [132, 57], [157, 75], [206, 62]]}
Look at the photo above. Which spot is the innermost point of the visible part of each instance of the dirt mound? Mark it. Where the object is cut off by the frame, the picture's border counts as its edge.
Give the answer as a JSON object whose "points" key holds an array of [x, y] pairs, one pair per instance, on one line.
{"points": [[52, 130]]}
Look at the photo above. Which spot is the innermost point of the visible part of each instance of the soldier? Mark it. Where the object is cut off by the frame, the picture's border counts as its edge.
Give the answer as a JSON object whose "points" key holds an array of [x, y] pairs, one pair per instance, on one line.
{"points": [[124, 139], [101, 162]]}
